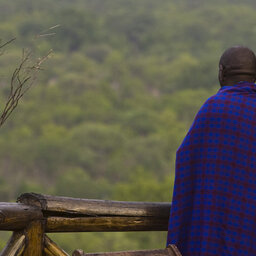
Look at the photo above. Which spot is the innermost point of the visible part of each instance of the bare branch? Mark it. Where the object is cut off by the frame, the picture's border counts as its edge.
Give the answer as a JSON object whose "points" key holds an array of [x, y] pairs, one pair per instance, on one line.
{"points": [[47, 32], [22, 79], [6, 43]]}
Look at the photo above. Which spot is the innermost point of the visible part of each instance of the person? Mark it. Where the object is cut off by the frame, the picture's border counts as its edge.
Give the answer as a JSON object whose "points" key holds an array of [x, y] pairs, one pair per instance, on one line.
{"points": [[213, 209]]}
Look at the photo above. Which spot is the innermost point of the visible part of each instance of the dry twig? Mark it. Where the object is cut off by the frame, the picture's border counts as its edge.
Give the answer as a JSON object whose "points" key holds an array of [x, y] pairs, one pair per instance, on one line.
{"points": [[22, 79], [47, 32], [5, 44]]}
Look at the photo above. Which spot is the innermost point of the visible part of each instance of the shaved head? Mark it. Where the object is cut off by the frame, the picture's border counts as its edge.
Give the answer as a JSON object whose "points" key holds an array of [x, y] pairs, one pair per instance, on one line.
{"points": [[237, 63]]}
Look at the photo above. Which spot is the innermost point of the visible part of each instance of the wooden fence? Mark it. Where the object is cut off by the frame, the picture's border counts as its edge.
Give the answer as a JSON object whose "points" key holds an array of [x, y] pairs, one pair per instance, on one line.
{"points": [[34, 215]]}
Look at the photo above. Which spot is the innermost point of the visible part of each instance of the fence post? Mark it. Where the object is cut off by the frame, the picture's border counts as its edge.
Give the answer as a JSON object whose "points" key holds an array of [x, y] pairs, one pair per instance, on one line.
{"points": [[34, 238], [15, 245]]}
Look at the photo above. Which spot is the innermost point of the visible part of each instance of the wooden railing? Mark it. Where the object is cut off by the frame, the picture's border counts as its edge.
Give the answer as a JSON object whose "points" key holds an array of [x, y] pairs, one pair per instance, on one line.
{"points": [[34, 215]]}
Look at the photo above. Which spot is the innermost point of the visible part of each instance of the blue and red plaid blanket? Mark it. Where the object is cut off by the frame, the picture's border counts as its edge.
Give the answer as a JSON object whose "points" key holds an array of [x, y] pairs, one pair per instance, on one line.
{"points": [[214, 201]]}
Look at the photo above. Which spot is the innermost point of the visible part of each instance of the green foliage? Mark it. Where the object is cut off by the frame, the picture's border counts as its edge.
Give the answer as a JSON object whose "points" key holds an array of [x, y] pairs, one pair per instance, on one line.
{"points": [[115, 101], [115, 241], [75, 182], [144, 186]]}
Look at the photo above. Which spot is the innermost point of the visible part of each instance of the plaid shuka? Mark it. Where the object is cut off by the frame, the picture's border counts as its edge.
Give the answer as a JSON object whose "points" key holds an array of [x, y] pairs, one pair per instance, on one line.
{"points": [[214, 200]]}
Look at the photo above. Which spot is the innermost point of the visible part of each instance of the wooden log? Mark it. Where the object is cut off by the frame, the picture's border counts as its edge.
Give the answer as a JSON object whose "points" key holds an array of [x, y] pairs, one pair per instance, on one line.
{"points": [[105, 224], [66, 206], [15, 245], [34, 238], [78, 252], [16, 216], [51, 249], [47, 252], [171, 250]]}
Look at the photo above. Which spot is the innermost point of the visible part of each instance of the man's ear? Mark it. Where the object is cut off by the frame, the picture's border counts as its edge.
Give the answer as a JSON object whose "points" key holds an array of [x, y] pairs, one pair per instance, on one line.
{"points": [[221, 73]]}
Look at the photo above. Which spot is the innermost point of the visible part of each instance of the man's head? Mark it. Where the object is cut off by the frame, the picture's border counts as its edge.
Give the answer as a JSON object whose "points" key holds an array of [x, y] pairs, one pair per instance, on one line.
{"points": [[237, 63]]}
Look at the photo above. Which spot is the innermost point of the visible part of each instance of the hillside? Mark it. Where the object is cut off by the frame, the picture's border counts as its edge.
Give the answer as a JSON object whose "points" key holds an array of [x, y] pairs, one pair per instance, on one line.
{"points": [[112, 105]]}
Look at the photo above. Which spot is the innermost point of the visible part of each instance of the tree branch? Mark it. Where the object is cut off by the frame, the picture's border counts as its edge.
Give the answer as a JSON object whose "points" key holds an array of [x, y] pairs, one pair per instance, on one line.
{"points": [[22, 79]]}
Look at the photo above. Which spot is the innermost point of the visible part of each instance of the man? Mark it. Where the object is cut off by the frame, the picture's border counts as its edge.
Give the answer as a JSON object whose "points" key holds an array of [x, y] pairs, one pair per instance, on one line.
{"points": [[214, 201]]}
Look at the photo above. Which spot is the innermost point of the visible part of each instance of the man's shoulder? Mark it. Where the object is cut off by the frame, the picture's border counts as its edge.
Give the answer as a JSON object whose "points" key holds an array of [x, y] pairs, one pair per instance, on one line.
{"points": [[212, 103], [216, 99], [216, 107], [222, 100]]}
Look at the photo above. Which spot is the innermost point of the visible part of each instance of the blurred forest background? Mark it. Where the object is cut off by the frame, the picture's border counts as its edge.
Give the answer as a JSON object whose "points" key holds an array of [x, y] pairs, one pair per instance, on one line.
{"points": [[114, 102]]}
